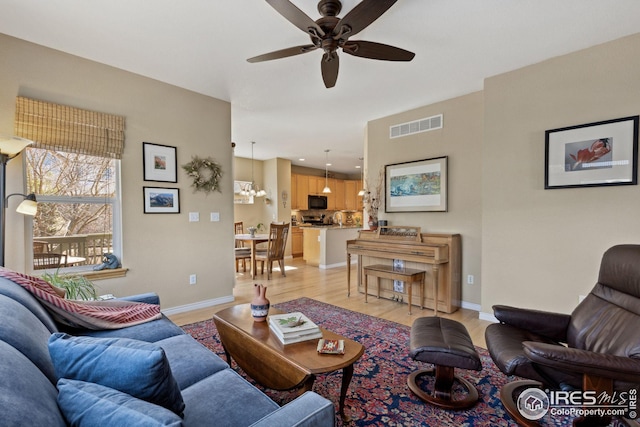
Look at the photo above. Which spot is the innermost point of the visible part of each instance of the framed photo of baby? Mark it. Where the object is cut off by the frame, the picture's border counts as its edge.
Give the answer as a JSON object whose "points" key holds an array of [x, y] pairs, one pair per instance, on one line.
{"points": [[594, 154]]}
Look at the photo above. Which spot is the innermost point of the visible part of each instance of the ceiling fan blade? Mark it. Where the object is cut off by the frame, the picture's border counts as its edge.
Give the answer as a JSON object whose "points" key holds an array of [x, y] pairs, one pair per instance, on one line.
{"points": [[374, 50], [361, 17], [283, 53], [297, 17], [330, 64]]}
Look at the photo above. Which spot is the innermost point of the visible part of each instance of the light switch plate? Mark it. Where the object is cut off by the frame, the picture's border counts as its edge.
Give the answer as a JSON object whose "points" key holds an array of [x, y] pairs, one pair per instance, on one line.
{"points": [[215, 216], [194, 216]]}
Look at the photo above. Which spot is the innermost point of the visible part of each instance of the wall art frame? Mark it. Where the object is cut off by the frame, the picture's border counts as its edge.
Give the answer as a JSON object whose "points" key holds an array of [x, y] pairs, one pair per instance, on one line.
{"points": [[417, 186], [161, 200], [595, 154], [160, 162]]}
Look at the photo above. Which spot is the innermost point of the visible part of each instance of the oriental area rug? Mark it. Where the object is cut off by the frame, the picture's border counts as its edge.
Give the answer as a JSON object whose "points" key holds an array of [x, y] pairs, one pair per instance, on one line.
{"points": [[378, 394]]}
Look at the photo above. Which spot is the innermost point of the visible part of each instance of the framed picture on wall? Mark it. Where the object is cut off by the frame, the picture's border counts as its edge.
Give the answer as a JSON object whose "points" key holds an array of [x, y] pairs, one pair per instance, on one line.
{"points": [[594, 154], [161, 200], [418, 186], [160, 162]]}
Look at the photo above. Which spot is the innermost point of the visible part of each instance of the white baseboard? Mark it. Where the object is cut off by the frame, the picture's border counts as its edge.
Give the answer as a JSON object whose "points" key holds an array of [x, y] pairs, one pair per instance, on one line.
{"points": [[328, 266], [488, 316], [470, 306], [198, 305]]}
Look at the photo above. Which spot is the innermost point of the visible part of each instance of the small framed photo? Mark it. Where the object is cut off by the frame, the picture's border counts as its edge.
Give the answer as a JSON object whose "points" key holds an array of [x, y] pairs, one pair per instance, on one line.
{"points": [[419, 186], [591, 155], [160, 162], [161, 200]]}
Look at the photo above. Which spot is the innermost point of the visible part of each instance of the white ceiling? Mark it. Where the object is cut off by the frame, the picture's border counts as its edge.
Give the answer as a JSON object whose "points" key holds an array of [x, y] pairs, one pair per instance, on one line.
{"points": [[202, 45]]}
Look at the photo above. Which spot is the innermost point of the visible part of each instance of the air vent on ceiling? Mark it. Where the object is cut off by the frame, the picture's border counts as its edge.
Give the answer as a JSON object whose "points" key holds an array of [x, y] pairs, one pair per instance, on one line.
{"points": [[416, 126]]}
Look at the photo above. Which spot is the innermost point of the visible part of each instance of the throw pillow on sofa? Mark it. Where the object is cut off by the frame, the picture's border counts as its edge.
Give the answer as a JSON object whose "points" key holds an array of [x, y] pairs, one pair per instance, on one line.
{"points": [[93, 405], [138, 368]]}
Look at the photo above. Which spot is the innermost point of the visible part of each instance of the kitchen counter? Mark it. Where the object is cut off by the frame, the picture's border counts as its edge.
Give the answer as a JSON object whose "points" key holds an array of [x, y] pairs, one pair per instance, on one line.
{"points": [[326, 246], [330, 226]]}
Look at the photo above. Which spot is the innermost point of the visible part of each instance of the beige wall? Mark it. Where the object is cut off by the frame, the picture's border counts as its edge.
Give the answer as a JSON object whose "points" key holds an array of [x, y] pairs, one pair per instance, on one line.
{"points": [[461, 140], [161, 251], [542, 248]]}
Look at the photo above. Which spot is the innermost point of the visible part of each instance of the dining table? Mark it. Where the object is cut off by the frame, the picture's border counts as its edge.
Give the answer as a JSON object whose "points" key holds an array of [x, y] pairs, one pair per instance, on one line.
{"points": [[253, 240]]}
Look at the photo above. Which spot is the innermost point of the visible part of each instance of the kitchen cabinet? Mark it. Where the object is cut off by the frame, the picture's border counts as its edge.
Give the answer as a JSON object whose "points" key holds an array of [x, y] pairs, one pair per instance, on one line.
{"points": [[351, 195], [302, 193], [316, 185], [296, 242], [338, 191]]}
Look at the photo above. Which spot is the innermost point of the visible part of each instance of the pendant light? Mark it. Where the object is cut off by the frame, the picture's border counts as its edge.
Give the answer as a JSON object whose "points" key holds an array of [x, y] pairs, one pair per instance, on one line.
{"points": [[326, 188], [361, 192], [252, 189]]}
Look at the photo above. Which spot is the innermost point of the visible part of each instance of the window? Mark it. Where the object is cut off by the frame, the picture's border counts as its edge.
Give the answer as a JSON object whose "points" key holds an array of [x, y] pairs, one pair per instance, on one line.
{"points": [[73, 167], [78, 205]]}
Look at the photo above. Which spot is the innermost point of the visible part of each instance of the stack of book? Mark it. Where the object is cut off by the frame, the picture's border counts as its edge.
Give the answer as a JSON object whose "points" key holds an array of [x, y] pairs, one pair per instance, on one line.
{"points": [[293, 327]]}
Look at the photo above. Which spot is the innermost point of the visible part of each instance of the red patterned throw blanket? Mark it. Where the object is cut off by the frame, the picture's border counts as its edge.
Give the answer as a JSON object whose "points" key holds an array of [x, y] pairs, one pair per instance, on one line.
{"points": [[110, 314]]}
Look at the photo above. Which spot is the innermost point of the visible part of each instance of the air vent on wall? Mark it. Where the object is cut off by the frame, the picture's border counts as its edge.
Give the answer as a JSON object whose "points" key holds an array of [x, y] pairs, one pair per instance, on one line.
{"points": [[416, 126]]}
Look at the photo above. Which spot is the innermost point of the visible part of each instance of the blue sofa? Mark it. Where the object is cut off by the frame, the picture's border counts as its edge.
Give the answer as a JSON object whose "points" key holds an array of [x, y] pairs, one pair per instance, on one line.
{"points": [[213, 393]]}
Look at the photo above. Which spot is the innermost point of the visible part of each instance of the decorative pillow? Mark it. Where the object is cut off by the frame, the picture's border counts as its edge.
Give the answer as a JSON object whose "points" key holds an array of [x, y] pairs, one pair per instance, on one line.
{"points": [[87, 404], [138, 368]]}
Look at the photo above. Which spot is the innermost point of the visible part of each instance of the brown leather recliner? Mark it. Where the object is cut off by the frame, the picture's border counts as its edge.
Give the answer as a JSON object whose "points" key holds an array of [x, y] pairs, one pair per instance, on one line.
{"points": [[597, 347]]}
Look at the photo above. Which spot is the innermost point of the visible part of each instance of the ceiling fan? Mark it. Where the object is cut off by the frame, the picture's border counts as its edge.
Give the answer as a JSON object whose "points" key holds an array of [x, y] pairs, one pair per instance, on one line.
{"points": [[330, 33]]}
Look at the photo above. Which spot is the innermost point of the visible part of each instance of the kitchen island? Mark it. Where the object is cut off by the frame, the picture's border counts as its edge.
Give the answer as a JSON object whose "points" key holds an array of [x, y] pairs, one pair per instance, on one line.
{"points": [[325, 246]]}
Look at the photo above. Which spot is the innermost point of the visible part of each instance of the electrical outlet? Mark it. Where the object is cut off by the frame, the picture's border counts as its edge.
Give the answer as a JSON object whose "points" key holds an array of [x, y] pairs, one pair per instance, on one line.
{"points": [[192, 279], [470, 279]]}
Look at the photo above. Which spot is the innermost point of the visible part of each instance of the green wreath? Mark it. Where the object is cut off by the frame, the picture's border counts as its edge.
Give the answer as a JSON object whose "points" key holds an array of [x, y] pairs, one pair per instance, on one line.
{"points": [[206, 174]]}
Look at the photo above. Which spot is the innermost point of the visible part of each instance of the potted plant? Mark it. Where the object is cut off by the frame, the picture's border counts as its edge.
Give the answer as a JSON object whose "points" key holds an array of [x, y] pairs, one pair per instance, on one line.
{"points": [[76, 287]]}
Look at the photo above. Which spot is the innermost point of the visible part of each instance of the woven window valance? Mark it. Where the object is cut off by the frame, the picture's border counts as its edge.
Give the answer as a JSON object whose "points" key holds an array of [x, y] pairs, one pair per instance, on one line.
{"points": [[63, 128]]}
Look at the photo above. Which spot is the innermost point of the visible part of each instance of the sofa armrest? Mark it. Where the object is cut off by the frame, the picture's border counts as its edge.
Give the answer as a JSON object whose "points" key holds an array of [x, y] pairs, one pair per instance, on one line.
{"points": [[584, 361], [147, 298], [545, 323], [308, 410]]}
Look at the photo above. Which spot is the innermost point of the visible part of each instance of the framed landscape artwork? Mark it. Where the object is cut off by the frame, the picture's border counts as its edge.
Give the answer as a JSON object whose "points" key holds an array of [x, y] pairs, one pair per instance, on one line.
{"points": [[160, 162], [594, 154], [419, 186], [161, 200]]}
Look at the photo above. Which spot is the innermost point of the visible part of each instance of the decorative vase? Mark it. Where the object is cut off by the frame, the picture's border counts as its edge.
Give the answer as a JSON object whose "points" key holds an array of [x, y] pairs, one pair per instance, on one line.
{"points": [[260, 304], [252, 231], [373, 224]]}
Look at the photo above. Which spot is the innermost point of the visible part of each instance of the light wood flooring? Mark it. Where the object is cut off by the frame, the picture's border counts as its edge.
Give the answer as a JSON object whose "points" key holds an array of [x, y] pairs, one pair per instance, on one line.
{"points": [[329, 286]]}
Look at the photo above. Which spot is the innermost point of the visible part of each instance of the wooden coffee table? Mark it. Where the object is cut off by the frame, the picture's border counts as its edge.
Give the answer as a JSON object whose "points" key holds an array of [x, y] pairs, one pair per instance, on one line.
{"points": [[276, 366]]}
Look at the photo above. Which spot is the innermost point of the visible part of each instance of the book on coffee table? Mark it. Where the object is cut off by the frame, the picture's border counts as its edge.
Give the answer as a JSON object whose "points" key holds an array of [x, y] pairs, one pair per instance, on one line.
{"points": [[330, 346], [293, 327]]}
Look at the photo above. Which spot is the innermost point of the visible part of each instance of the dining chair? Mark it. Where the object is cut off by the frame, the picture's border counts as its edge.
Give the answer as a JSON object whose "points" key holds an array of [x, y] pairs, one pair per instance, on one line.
{"points": [[48, 260], [276, 245], [242, 253]]}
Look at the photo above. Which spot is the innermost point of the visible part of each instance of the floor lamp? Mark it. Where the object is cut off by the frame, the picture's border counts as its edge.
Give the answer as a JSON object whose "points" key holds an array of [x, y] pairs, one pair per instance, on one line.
{"points": [[10, 147]]}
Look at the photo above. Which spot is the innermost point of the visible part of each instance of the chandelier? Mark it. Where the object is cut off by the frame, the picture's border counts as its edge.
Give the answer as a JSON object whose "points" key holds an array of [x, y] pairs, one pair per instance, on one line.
{"points": [[252, 189]]}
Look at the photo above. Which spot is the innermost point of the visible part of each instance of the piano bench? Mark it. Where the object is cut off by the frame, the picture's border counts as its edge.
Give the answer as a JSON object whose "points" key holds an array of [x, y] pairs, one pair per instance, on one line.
{"points": [[407, 275]]}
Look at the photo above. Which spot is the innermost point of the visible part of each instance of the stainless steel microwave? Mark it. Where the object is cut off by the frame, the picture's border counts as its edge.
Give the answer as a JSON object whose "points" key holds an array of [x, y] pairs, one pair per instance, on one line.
{"points": [[317, 202]]}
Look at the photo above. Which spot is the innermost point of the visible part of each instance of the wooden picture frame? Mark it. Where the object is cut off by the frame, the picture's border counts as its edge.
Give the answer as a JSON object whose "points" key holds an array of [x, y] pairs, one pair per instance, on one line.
{"points": [[417, 186], [160, 162], [591, 155], [161, 200]]}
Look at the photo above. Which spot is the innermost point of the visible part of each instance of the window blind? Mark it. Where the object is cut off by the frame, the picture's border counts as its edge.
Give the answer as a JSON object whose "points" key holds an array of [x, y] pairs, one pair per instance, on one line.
{"points": [[63, 128]]}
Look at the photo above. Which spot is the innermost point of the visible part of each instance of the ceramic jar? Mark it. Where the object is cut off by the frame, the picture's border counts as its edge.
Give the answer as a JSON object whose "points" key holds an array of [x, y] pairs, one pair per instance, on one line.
{"points": [[260, 304]]}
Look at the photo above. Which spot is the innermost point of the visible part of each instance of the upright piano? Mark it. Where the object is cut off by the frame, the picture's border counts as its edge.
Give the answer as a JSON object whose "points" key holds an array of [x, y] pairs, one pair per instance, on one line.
{"points": [[438, 254]]}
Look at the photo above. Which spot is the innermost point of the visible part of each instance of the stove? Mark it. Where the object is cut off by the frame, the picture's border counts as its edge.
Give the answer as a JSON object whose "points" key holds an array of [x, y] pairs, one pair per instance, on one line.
{"points": [[313, 220]]}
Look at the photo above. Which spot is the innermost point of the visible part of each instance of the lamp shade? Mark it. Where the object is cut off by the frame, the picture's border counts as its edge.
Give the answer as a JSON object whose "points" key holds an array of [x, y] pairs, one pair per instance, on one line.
{"points": [[28, 207], [13, 145]]}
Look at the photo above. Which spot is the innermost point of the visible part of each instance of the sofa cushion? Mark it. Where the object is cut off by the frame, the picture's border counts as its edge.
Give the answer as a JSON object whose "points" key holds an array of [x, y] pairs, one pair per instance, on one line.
{"points": [[87, 404], [27, 397], [190, 361], [150, 331], [138, 368], [15, 319], [22, 296], [229, 400]]}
